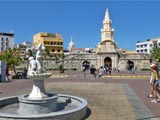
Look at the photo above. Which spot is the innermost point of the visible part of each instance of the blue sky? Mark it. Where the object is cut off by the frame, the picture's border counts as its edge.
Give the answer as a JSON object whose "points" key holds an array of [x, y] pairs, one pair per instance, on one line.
{"points": [[132, 20]]}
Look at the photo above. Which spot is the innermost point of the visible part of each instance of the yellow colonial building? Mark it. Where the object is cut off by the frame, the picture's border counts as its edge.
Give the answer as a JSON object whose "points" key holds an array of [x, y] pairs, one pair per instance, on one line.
{"points": [[52, 42]]}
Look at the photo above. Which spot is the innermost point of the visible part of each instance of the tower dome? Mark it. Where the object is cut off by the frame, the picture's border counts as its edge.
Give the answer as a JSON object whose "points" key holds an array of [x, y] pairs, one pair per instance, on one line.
{"points": [[71, 44]]}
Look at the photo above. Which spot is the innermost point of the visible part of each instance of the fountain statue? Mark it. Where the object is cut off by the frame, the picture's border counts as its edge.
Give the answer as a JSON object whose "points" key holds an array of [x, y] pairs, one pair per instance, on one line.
{"points": [[39, 104], [38, 100], [37, 73], [36, 64]]}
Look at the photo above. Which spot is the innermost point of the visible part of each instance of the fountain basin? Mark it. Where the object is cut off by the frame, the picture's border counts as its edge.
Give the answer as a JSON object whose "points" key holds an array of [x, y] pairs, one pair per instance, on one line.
{"points": [[37, 106], [74, 110]]}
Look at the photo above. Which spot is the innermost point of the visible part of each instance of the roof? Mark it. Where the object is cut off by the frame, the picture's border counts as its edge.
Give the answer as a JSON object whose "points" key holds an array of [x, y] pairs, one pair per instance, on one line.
{"points": [[79, 49], [6, 34]]}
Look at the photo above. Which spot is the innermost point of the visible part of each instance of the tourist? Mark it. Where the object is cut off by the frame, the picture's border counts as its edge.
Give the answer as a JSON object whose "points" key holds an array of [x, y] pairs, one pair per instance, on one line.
{"points": [[24, 73], [110, 69], [132, 68], [93, 72], [85, 68], [7, 74], [100, 71], [154, 83], [106, 69]]}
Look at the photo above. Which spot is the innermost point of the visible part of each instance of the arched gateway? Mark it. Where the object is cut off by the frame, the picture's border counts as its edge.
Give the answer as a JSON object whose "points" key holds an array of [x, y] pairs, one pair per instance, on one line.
{"points": [[108, 61], [129, 64]]}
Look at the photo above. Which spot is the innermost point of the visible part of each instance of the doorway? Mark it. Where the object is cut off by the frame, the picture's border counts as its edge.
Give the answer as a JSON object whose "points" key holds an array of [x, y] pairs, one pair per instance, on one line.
{"points": [[107, 61], [129, 64]]}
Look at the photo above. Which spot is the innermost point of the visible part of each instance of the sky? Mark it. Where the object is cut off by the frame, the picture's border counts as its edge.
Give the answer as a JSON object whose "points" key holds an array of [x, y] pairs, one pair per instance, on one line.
{"points": [[132, 20]]}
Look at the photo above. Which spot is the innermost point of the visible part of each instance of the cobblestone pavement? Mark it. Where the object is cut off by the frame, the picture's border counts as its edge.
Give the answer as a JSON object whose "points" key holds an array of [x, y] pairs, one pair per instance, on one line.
{"points": [[109, 98]]}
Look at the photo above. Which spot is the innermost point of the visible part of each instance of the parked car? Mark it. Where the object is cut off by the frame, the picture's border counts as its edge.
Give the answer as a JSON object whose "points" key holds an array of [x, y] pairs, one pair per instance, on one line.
{"points": [[19, 75]]}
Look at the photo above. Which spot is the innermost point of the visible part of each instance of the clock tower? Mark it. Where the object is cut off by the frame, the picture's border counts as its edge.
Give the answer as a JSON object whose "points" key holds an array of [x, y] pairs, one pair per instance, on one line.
{"points": [[107, 54], [107, 30]]}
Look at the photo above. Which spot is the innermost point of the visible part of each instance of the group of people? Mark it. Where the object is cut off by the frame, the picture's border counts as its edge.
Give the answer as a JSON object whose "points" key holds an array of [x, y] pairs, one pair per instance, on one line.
{"points": [[96, 72], [154, 83]]}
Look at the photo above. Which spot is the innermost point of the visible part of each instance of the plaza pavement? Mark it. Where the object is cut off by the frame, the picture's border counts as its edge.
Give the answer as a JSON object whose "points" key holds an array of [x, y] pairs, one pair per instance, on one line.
{"points": [[109, 98]]}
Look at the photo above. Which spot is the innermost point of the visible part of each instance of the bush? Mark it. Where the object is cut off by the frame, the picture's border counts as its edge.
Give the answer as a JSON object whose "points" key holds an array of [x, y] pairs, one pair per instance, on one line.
{"points": [[74, 68], [145, 69], [61, 69]]}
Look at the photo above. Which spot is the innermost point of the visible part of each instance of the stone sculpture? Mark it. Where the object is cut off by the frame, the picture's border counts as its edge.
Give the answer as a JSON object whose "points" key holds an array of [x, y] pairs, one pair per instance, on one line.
{"points": [[36, 64]]}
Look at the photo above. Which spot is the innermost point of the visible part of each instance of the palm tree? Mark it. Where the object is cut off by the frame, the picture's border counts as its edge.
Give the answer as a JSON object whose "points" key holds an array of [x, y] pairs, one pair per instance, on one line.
{"points": [[155, 54], [11, 57]]}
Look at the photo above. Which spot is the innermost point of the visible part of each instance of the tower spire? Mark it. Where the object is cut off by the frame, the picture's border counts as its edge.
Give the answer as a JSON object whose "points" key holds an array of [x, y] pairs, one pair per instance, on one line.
{"points": [[107, 30], [71, 44], [107, 15]]}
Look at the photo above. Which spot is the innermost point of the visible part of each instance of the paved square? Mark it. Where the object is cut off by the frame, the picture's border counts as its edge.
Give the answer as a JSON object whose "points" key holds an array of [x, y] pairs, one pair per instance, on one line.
{"points": [[107, 101]]}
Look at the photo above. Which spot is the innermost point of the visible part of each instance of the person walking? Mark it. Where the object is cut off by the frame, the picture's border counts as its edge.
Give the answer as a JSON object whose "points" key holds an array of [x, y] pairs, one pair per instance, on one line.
{"points": [[110, 69], [100, 71], [93, 72], [132, 68], [154, 83], [7, 74], [106, 69], [24, 71]]}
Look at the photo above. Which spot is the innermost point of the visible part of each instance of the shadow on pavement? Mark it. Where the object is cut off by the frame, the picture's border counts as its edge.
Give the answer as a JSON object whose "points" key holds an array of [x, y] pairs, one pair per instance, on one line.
{"points": [[88, 113]]}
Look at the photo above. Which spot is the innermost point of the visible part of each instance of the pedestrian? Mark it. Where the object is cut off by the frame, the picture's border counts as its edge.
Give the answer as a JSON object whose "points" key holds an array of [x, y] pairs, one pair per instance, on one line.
{"points": [[84, 69], [110, 69], [132, 68], [154, 83], [7, 74], [106, 68], [93, 72], [100, 71], [24, 73]]}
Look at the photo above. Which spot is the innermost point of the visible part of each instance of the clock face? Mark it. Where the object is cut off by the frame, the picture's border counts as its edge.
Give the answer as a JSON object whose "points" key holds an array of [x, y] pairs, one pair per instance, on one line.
{"points": [[107, 35]]}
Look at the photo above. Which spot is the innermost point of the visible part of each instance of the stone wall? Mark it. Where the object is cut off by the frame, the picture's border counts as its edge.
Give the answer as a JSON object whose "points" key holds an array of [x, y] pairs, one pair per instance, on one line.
{"points": [[75, 60]]}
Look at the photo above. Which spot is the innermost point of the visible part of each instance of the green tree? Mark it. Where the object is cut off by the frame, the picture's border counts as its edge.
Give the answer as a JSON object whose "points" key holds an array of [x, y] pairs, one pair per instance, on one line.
{"points": [[12, 58], [155, 54]]}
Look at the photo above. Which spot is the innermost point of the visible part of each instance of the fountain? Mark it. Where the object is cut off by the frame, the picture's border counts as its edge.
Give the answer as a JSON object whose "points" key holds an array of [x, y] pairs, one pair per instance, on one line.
{"points": [[39, 104]]}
